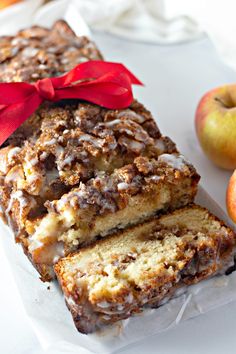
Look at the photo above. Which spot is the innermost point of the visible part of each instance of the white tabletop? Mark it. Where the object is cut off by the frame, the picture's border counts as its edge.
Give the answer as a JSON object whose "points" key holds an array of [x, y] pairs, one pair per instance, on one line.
{"points": [[175, 78]]}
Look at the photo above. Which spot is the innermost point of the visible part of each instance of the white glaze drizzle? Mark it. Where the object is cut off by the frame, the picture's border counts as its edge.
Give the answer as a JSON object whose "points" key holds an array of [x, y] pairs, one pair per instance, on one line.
{"points": [[176, 162]]}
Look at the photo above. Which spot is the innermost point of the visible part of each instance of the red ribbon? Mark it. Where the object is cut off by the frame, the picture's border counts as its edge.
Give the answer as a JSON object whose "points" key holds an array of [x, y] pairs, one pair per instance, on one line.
{"points": [[103, 83]]}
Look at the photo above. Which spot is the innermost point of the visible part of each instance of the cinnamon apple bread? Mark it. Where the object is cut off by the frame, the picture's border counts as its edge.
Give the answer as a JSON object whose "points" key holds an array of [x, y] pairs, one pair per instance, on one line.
{"points": [[142, 266], [74, 171]]}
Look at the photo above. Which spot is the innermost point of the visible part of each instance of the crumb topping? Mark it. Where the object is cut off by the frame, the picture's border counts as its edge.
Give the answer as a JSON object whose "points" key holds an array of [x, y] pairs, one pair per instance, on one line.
{"points": [[38, 52]]}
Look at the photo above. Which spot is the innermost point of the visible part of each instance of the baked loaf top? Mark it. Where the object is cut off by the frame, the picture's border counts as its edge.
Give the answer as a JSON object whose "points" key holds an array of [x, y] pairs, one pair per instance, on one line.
{"points": [[37, 52], [143, 266]]}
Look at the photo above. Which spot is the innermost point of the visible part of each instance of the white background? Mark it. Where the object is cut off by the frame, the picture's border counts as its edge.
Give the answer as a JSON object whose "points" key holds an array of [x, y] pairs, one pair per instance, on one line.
{"points": [[175, 78]]}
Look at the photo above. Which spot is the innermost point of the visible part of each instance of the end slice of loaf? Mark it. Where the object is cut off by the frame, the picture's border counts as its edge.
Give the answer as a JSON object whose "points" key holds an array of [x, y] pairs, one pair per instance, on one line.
{"points": [[143, 265]]}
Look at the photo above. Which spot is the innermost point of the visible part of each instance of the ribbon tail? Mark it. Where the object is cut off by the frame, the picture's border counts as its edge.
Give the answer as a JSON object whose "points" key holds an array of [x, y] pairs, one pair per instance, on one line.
{"points": [[15, 114]]}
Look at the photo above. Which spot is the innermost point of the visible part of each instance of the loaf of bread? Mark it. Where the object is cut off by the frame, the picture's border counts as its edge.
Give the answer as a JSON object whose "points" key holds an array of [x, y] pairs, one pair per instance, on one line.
{"points": [[143, 266], [74, 171]]}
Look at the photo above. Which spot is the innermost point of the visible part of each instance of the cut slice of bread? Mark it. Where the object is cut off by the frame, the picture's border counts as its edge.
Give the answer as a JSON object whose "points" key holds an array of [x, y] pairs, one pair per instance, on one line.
{"points": [[143, 265]]}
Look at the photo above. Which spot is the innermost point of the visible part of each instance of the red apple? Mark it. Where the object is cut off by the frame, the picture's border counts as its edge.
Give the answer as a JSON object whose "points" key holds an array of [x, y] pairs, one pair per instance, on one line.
{"points": [[231, 197], [215, 123]]}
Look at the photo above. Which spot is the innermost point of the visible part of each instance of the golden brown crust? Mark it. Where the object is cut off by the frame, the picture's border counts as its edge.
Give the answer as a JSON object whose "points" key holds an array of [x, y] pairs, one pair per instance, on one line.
{"points": [[46, 272]]}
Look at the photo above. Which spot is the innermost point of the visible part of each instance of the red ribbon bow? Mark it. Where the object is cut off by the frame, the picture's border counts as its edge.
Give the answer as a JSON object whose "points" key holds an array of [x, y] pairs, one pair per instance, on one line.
{"points": [[100, 82]]}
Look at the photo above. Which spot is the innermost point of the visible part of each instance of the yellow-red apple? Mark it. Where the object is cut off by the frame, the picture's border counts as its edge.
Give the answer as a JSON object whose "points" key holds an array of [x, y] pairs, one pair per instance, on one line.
{"points": [[231, 197], [215, 123]]}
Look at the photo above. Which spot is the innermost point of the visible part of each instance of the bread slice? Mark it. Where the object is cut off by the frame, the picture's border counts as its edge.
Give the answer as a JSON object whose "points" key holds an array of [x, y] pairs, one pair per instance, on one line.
{"points": [[143, 265]]}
